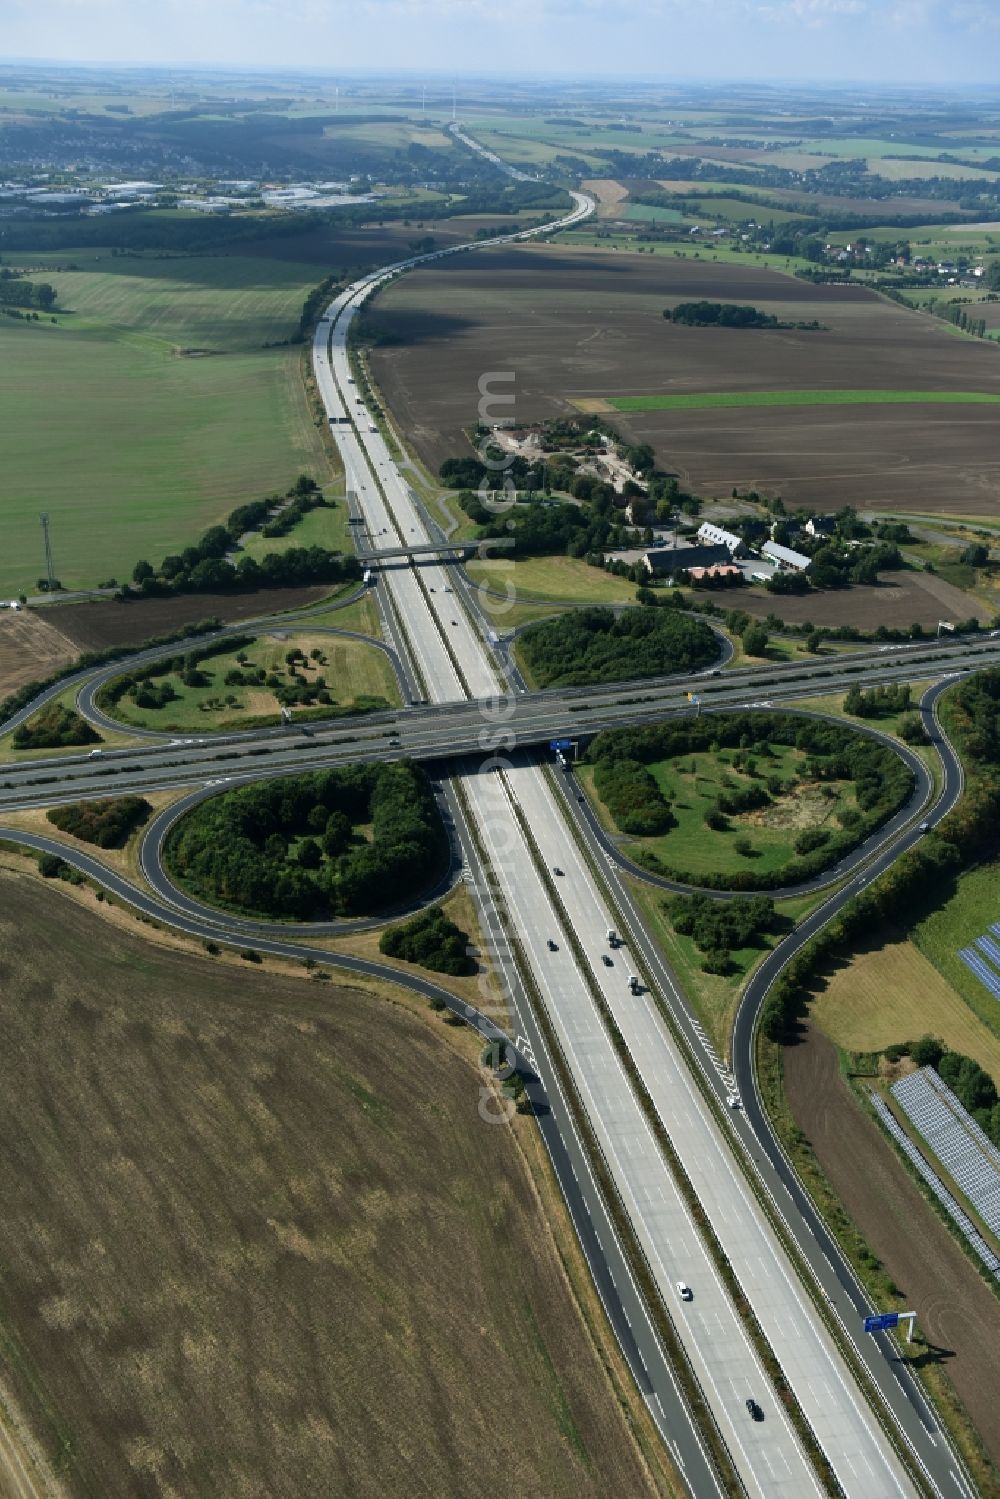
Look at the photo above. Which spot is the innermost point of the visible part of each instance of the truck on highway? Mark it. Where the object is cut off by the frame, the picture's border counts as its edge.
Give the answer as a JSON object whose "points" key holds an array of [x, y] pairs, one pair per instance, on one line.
{"points": [[612, 937]]}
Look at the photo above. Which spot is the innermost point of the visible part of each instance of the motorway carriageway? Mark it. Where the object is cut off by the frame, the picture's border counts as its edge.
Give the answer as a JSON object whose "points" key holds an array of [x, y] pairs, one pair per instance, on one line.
{"points": [[453, 662], [435, 731]]}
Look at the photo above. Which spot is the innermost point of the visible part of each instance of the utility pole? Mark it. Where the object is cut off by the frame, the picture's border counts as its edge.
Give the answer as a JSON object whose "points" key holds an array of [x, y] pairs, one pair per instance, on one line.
{"points": [[50, 571]]}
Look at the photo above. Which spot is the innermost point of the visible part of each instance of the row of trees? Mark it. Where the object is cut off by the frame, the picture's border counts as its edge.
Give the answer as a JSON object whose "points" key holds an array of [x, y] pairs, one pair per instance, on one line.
{"points": [[971, 714], [291, 847], [596, 645], [108, 823], [205, 568], [882, 784]]}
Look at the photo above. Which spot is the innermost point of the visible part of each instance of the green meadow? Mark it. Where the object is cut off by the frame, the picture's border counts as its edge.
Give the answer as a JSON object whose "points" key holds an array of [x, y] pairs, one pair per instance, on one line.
{"points": [[149, 408], [718, 399]]}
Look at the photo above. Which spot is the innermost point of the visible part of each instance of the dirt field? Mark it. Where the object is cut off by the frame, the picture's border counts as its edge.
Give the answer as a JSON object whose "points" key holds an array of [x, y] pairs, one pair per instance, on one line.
{"points": [[29, 647], [900, 600], [578, 325], [956, 1311], [91, 627], [255, 1243]]}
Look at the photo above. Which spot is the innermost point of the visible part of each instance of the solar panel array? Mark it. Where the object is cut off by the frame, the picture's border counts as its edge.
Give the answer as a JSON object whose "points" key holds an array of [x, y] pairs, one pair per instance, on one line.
{"points": [[958, 1216], [964, 1151], [977, 964]]}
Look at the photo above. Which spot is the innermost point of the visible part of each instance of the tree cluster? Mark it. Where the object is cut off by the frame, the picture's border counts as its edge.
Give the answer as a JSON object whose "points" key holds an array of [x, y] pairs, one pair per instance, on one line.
{"points": [[878, 702], [633, 798], [290, 847], [16, 292], [54, 727], [596, 645], [720, 928], [433, 940], [720, 315], [106, 823]]}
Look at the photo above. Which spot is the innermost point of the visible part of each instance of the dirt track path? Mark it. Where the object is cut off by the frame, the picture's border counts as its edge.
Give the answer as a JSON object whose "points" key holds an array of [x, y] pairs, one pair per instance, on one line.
{"points": [[22, 1473], [955, 1310]]}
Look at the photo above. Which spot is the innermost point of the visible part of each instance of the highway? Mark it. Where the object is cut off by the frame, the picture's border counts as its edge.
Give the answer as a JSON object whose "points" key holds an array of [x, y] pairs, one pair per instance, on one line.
{"points": [[511, 822], [502, 802]]}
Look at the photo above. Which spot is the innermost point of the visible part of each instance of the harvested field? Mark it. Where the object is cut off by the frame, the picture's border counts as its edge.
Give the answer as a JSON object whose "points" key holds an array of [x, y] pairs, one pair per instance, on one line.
{"points": [[900, 600], [91, 627], [254, 1242], [891, 993], [956, 1311], [577, 326], [29, 648]]}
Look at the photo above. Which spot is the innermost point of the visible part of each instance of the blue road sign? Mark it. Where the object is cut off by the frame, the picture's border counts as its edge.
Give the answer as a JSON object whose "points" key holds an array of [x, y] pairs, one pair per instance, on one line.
{"points": [[879, 1324], [560, 744]]}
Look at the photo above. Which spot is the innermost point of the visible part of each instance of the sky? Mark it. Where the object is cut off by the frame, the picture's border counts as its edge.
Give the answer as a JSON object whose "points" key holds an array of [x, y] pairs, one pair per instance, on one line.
{"points": [[887, 41]]}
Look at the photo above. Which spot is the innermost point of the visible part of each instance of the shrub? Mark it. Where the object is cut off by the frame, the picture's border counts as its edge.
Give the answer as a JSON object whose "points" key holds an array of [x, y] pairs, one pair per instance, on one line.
{"points": [[632, 797]]}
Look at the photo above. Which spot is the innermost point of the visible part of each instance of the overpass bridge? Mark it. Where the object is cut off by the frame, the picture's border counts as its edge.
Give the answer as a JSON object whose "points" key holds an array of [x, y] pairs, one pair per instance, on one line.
{"points": [[372, 557]]}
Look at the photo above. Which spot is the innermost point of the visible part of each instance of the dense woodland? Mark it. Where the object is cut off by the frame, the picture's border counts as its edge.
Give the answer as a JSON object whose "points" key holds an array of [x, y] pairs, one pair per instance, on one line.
{"points": [[295, 847], [882, 784], [597, 645]]}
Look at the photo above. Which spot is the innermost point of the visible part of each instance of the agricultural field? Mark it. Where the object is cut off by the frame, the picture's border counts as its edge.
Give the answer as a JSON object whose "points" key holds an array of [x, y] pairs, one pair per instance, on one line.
{"points": [[579, 327], [890, 992], [152, 398], [150, 413], [693, 782], [358, 677], [92, 626], [30, 648], [297, 1166]]}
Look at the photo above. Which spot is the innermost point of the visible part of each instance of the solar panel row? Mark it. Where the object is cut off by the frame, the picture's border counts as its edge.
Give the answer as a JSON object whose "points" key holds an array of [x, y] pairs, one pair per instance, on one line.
{"points": [[952, 1134], [990, 948], [981, 969], [947, 1201]]}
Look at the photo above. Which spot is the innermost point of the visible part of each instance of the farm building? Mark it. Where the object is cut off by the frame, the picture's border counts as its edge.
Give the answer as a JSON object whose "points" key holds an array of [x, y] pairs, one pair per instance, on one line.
{"points": [[670, 560], [784, 558], [821, 525], [711, 535], [720, 570]]}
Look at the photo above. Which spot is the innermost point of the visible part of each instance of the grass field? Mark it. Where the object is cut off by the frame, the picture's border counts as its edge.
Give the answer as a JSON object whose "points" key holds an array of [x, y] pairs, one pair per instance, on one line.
{"points": [[352, 670], [325, 527], [718, 399], [692, 783], [132, 445], [566, 579], [253, 1193], [957, 922], [894, 993]]}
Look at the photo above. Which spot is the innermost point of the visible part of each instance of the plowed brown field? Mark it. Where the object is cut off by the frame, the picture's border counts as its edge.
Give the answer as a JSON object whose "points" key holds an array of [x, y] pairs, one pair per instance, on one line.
{"points": [[956, 1311], [578, 325]]}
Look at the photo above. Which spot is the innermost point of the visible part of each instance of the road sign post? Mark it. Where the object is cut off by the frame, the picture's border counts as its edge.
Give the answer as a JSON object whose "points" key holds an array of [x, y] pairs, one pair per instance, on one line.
{"points": [[885, 1320]]}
